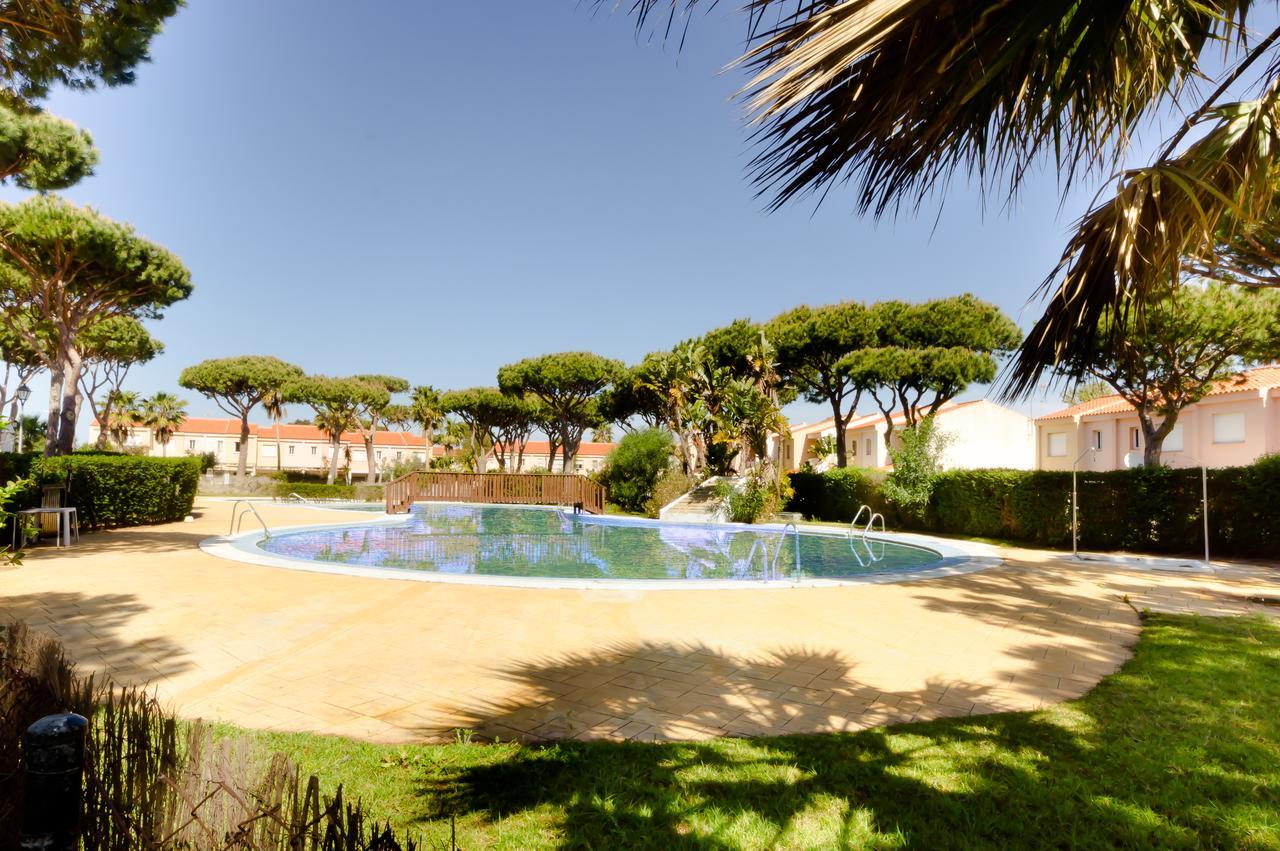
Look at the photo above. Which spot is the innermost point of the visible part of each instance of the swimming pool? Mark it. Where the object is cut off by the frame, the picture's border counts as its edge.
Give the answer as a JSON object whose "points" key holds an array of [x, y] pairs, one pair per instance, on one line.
{"points": [[544, 543]]}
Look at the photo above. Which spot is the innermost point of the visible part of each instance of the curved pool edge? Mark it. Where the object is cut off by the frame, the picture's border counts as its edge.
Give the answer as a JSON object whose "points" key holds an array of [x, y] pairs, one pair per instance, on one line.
{"points": [[956, 558]]}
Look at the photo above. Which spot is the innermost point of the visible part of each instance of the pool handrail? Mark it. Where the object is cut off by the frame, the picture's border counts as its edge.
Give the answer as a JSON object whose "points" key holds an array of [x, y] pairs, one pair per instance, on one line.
{"points": [[782, 539], [872, 515], [236, 521]]}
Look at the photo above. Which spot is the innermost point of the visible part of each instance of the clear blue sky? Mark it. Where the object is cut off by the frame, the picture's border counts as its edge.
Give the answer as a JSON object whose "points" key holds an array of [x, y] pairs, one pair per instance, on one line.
{"points": [[433, 190]]}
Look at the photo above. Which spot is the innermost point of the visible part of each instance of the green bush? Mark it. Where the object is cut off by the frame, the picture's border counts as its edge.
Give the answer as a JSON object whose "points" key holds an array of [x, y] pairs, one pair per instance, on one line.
{"points": [[1142, 510], [836, 494], [122, 490], [671, 485], [310, 490], [632, 469], [16, 465]]}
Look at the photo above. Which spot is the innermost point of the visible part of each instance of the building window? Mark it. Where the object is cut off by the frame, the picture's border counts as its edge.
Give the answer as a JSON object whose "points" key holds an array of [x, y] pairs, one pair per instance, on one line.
{"points": [[853, 447], [235, 446], [291, 448], [1173, 440], [191, 446], [1057, 444], [1135, 439], [378, 454], [867, 446], [314, 449], [1095, 439], [219, 447], [1228, 428]]}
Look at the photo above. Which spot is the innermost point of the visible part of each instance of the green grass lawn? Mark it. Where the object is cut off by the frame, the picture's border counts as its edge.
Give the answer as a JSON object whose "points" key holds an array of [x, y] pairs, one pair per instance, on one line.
{"points": [[1181, 748]]}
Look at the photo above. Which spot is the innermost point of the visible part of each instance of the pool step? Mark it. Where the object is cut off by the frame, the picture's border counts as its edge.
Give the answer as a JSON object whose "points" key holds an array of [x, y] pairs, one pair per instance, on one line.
{"points": [[700, 504]]}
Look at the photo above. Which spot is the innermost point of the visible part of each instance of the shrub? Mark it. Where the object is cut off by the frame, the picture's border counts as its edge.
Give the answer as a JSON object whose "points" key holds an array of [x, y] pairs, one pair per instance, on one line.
{"points": [[915, 467], [16, 465], [632, 469], [671, 485], [834, 495], [758, 499], [1143, 510], [310, 490], [122, 490]]}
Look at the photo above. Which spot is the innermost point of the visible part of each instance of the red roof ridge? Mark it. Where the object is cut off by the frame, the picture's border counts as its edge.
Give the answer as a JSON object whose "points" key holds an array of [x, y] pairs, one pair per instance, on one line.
{"points": [[1254, 378]]}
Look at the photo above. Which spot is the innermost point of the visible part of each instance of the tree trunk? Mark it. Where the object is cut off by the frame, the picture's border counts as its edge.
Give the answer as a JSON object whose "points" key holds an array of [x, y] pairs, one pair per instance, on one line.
{"points": [[370, 476], [55, 409], [242, 461], [70, 402], [1153, 437], [335, 447], [164, 449], [104, 416], [842, 451]]}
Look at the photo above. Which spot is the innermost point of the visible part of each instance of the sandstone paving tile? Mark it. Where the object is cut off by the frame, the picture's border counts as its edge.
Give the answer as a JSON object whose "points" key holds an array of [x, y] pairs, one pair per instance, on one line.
{"points": [[213, 635], [794, 678], [632, 729]]}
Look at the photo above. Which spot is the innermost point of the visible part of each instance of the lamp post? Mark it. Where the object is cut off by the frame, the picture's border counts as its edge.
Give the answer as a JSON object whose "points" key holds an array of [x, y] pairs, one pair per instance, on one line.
{"points": [[23, 394], [1075, 509]]}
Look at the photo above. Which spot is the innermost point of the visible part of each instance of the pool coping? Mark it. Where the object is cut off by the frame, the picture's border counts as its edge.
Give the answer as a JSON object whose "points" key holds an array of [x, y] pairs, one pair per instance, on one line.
{"points": [[956, 558]]}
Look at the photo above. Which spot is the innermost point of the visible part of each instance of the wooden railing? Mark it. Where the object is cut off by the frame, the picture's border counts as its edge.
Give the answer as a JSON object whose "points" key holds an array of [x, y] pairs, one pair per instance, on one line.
{"points": [[497, 488]]}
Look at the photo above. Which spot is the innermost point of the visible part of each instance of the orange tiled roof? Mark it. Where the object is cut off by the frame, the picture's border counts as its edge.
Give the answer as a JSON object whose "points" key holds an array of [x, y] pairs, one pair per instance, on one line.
{"points": [[1260, 378], [289, 431]]}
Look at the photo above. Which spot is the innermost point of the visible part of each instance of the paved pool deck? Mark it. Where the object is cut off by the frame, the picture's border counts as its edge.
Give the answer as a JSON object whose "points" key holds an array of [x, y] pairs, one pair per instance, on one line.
{"points": [[397, 661]]}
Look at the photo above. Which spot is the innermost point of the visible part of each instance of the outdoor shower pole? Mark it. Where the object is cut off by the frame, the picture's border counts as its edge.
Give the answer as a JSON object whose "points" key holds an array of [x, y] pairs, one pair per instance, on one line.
{"points": [[1075, 510], [1204, 499]]}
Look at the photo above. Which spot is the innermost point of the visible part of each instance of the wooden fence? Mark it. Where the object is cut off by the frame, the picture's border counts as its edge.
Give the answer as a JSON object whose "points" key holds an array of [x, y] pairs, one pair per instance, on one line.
{"points": [[496, 488]]}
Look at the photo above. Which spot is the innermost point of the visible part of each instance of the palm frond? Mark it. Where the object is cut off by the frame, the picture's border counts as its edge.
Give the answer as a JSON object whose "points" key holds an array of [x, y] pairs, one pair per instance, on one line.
{"points": [[899, 95], [1170, 219]]}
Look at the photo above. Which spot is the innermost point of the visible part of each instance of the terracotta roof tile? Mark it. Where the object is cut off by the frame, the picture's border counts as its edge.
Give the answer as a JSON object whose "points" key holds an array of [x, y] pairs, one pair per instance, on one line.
{"points": [[1259, 378]]}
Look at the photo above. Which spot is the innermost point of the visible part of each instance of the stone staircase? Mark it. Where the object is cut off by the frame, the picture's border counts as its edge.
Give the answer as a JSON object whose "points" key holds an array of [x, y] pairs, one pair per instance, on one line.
{"points": [[700, 505]]}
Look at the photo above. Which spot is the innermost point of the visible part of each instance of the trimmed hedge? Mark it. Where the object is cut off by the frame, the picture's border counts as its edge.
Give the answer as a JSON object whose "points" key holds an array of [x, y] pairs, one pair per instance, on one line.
{"points": [[307, 490], [1143, 509], [836, 494], [121, 490]]}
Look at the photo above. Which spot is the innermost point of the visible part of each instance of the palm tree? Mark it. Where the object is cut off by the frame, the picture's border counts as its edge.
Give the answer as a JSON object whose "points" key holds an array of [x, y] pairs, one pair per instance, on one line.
{"points": [[425, 410], [333, 424], [273, 404], [124, 412], [164, 413], [897, 98]]}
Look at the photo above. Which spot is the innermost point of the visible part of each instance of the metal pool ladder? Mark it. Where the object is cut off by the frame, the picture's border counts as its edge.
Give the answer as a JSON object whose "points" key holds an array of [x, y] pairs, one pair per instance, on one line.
{"points": [[872, 516], [782, 539], [237, 519]]}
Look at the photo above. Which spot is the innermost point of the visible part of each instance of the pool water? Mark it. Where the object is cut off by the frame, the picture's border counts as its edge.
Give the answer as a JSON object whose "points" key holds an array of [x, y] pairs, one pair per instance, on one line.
{"points": [[542, 542]]}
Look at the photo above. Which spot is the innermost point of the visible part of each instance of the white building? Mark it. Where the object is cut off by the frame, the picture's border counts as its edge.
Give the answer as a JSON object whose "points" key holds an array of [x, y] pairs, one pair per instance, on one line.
{"points": [[980, 434]]}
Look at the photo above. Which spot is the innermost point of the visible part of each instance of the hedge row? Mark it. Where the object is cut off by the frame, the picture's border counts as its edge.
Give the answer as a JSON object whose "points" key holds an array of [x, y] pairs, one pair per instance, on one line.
{"points": [[307, 490], [122, 490], [1143, 510], [109, 490]]}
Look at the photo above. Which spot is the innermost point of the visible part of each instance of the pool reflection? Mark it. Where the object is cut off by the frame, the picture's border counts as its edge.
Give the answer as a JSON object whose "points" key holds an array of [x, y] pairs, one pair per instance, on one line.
{"points": [[536, 542]]}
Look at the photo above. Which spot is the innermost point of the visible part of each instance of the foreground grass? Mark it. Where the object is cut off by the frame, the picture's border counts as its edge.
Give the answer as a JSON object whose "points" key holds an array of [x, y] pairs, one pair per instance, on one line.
{"points": [[1179, 749]]}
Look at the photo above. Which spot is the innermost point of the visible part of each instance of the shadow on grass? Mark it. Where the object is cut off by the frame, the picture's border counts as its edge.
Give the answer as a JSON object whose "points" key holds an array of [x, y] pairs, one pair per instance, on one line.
{"points": [[1182, 748]]}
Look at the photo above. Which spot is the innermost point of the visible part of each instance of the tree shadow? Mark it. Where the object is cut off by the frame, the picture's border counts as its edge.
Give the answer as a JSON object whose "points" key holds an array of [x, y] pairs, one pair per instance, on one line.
{"points": [[92, 628], [1126, 766]]}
